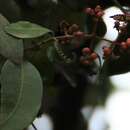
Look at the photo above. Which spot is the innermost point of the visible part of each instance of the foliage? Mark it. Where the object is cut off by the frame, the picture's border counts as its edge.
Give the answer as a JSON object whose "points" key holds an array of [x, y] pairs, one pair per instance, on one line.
{"points": [[17, 108], [25, 29]]}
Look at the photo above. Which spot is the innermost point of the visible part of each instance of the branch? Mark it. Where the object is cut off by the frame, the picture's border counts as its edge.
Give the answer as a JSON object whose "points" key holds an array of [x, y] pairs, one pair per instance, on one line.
{"points": [[86, 37], [94, 32], [34, 126]]}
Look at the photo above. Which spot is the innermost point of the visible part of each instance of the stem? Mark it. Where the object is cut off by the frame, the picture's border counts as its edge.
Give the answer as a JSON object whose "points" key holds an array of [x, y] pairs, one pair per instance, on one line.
{"points": [[100, 62], [86, 36], [34, 126], [64, 36], [40, 44], [94, 32]]}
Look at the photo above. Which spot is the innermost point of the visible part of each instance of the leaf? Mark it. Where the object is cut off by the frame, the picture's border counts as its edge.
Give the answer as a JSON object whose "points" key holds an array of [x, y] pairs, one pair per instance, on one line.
{"points": [[40, 59], [10, 47], [21, 95], [25, 29]]}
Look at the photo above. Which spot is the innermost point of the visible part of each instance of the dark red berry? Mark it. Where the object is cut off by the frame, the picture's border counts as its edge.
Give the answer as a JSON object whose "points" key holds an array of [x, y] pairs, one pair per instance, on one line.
{"points": [[86, 50], [124, 45], [73, 28], [86, 62], [100, 14], [93, 56], [128, 42], [79, 34], [89, 11], [107, 51]]}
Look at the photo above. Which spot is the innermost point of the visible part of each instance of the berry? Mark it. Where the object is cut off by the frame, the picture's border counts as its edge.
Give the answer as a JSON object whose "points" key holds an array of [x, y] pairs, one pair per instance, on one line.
{"points": [[89, 11], [79, 34], [65, 40], [86, 62], [98, 8], [107, 51], [73, 28], [86, 50], [100, 14], [93, 56], [128, 42], [124, 45]]}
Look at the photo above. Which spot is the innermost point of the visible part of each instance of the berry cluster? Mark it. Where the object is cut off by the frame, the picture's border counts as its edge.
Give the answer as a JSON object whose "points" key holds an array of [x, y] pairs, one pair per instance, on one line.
{"points": [[66, 28], [121, 47], [72, 36], [88, 56], [69, 32], [97, 11]]}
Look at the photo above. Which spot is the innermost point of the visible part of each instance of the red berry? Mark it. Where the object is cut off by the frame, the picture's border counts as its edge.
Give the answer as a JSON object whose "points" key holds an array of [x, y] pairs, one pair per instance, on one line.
{"points": [[93, 56], [86, 50], [100, 14], [79, 34], [73, 28], [107, 51], [128, 42], [124, 45], [86, 62], [89, 11], [65, 40]]}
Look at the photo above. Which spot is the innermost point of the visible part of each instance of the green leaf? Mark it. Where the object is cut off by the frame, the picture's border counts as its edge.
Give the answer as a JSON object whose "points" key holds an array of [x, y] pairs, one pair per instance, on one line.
{"points": [[40, 59], [21, 95], [10, 47], [25, 29]]}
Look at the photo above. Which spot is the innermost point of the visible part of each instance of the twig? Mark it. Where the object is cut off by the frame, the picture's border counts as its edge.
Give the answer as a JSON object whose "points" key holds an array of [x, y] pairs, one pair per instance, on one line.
{"points": [[86, 36], [100, 62], [39, 44], [34, 126], [72, 36], [94, 32]]}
